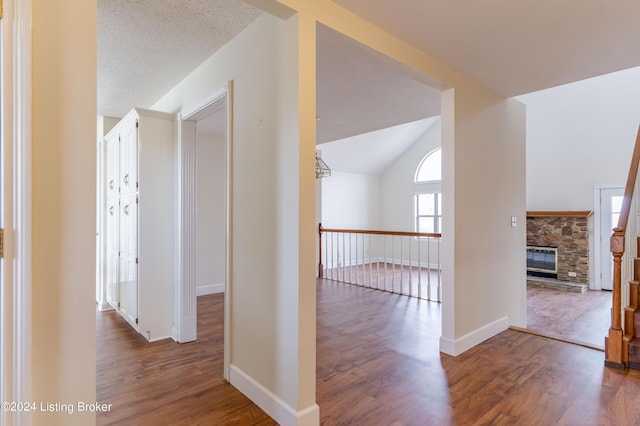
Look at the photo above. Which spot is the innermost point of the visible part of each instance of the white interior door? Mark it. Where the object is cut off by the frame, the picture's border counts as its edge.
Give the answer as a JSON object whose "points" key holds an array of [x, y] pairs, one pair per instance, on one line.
{"points": [[128, 268], [610, 204]]}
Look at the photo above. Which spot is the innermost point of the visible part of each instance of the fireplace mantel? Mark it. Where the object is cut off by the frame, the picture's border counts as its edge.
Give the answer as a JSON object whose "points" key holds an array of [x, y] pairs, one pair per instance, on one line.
{"points": [[576, 213]]}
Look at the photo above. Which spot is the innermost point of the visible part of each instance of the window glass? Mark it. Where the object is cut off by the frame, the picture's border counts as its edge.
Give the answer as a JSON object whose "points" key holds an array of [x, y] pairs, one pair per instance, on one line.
{"points": [[428, 212], [430, 169]]}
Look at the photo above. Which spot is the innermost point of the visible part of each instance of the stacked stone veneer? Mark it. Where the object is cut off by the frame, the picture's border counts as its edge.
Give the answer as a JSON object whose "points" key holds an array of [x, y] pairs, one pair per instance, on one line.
{"points": [[570, 235]]}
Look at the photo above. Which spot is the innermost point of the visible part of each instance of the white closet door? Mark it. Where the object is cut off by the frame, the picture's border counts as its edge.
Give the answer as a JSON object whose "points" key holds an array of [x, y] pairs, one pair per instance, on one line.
{"points": [[129, 159], [112, 248], [111, 172], [112, 218], [128, 290]]}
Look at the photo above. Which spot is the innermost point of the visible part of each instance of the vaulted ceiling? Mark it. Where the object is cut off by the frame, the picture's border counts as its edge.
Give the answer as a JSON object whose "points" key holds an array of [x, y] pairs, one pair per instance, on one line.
{"points": [[145, 47]]}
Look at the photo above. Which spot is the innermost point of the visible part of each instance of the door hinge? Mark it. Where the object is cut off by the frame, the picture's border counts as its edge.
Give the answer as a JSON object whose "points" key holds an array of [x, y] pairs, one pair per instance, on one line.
{"points": [[137, 125], [137, 201], [136, 260], [136, 320], [1, 243], [118, 305]]}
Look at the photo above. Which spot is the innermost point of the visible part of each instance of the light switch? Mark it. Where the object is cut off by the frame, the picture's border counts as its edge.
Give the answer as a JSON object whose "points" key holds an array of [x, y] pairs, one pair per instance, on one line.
{"points": [[514, 221]]}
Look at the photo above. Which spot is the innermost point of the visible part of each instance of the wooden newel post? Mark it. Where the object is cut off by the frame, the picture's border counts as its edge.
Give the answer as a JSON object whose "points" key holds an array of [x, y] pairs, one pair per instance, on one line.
{"points": [[320, 266], [614, 356]]}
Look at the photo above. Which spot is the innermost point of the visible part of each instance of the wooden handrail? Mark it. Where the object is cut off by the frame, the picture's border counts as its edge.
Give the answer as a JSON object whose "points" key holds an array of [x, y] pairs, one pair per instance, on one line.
{"points": [[377, 232], [616, 349], [630, 186]]}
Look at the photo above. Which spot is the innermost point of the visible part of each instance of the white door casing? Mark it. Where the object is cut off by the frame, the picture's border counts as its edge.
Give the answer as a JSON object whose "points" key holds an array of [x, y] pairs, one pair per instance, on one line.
{"points": [[604, 218], [185, 302]]}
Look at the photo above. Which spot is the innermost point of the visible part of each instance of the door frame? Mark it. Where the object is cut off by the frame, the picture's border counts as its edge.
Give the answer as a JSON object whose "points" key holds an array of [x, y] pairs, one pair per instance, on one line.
{"points": [[185, 304], [598, 247], [15, 321]]}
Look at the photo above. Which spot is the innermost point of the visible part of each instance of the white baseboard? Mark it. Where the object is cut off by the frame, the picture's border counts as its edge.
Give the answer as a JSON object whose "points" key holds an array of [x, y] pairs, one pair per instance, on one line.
{"points": [[469, 340], [104, 306], [279, 410], [202, 290]]}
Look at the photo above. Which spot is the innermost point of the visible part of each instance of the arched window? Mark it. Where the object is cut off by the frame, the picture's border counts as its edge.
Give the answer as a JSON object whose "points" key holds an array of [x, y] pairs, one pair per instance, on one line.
{"points": [[430, 168], [428, 200]]}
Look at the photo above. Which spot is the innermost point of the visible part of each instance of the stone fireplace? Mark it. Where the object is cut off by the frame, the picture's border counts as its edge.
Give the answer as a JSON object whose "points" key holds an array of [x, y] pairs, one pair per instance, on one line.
{"points": [[568, 232]]}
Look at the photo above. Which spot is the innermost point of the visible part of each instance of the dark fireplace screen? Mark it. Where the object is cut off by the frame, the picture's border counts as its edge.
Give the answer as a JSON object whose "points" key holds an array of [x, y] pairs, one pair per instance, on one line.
{"points": [[542, 261]]}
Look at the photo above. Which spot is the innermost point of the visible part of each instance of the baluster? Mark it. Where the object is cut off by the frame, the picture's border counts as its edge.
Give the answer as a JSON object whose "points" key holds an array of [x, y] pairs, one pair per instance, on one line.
{"points": [[344, 259], [378, 261], [401, 266], [428, 268], [393, 264], [336, 256], [370, 265], [357, 260], [410, 269], [385, 262], [439, 276], [419, 268]]}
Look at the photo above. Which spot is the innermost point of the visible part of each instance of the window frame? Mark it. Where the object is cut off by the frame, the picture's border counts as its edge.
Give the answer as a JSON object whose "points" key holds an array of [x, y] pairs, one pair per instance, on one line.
{"points": [[436, 217], [423, 187]]}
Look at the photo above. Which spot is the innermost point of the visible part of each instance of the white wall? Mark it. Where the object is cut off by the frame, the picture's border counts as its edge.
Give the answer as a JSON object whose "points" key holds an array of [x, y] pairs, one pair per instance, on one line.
{"points": [[272, 303], [351, 200], [210, 211], [483, 155], [397, 189], [580, 135], [63, 209]]}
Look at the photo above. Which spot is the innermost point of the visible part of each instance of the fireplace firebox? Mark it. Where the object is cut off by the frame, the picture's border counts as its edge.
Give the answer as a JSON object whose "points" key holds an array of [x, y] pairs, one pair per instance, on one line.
{"points": [[542, 261]]}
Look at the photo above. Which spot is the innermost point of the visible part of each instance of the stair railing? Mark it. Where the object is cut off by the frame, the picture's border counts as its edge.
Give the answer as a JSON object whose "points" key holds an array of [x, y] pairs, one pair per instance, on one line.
{"points": [[616, 344]]}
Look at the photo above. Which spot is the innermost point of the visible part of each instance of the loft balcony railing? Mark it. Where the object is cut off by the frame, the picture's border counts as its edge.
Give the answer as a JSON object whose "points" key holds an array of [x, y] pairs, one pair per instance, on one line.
{"points": [[406, 263]]}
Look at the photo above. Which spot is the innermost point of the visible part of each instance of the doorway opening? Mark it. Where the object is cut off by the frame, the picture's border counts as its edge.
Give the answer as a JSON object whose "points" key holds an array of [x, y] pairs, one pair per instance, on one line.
{"points": [[203, 212]]}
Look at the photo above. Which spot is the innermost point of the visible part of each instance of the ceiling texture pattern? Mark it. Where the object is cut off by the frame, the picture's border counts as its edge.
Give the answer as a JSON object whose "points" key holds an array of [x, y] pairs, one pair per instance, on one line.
{"points": [[146, 47]]}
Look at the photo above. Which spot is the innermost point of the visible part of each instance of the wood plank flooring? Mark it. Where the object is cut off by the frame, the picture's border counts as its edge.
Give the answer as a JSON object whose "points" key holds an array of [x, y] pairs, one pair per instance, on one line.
{"points": [[166, 383], [377, 364], [580, 317]]}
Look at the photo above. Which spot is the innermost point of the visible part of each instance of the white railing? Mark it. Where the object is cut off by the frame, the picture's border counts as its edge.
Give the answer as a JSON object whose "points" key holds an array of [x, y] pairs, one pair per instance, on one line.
{"points": [[406, 263]]}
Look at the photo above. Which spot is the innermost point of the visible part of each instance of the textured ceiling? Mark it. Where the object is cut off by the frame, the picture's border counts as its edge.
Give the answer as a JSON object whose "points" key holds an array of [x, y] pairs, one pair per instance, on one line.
{"points": [[145, 47]]}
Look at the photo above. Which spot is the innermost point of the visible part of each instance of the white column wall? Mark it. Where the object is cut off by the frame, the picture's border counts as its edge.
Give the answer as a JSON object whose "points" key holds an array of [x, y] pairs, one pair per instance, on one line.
{"points": [[484, 185], [63, 207], [270, 277]]}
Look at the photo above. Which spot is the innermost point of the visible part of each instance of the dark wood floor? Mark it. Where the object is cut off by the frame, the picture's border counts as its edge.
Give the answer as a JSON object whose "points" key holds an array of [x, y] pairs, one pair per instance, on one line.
{"points": [[166, 383], [377, 364], [580, 317]]}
